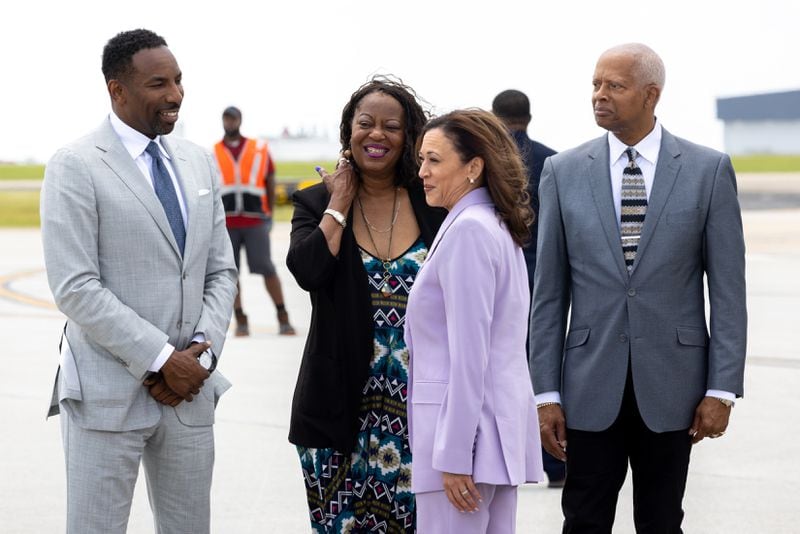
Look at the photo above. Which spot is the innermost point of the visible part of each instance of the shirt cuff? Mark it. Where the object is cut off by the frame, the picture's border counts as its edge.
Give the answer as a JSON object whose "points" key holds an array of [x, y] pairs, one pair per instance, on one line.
{"points": [[548, 396], [199, 337], [161, 359], [721, 394]]}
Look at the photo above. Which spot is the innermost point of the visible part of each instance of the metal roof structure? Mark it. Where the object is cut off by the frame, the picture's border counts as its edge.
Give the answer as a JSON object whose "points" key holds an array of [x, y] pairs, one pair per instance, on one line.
{"points": [[770, 106]]}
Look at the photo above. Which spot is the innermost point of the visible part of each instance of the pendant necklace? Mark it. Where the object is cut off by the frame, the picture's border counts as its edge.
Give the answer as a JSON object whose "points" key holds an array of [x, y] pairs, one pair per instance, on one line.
{"points": [[386, 288]]}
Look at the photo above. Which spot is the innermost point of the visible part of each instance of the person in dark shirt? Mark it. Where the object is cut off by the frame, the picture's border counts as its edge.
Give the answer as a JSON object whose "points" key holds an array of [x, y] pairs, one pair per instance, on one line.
{"points": [[514, 109]]}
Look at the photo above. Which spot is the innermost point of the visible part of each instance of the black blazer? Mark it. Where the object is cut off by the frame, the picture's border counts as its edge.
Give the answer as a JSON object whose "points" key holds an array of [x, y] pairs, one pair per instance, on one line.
{"points": [[339, 348]]}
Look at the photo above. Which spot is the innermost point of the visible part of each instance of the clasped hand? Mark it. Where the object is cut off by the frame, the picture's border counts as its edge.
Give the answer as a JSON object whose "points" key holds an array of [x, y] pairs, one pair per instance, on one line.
{"points": [[180, 378]]}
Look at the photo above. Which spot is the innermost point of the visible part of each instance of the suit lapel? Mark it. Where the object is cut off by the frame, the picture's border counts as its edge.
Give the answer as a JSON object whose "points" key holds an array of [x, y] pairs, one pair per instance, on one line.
{"points": [[600, 183], [667, 169], [185, 173], [119, 161]]}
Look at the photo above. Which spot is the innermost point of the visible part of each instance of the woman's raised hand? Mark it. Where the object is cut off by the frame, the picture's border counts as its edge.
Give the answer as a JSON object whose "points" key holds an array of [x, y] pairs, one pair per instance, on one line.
{"points": [[342, 184]]}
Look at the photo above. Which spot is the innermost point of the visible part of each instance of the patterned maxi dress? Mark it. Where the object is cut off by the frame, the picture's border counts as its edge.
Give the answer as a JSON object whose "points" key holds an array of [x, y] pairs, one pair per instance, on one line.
{"points": [[370, 489]]}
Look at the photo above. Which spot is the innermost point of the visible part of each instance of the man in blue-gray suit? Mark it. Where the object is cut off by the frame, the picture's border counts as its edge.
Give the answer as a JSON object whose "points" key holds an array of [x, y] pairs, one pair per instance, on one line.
{"points": [[139, 261], [629, 225]]}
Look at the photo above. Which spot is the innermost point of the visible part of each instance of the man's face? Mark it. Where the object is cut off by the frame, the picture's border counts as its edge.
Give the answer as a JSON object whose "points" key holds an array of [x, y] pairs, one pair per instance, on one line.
{"points": [[149, 97], [231, 125], [622, 104]]}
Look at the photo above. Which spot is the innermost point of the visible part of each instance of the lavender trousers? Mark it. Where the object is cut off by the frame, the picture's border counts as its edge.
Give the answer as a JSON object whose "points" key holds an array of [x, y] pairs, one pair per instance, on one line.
{"points": [[497, 514]]}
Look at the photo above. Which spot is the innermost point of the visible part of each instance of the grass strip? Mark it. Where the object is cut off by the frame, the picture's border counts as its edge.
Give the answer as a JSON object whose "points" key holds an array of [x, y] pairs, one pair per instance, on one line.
{"points": [[766, 163], [19, 209]]}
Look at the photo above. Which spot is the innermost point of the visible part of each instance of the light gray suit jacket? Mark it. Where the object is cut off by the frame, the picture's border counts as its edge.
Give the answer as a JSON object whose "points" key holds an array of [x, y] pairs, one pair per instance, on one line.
{"points": [[657, 315], [116, 272]]}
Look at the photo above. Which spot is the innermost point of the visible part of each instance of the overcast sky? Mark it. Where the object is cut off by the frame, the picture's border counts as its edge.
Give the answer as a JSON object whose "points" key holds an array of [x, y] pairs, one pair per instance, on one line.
{"points": [[294, 64]]}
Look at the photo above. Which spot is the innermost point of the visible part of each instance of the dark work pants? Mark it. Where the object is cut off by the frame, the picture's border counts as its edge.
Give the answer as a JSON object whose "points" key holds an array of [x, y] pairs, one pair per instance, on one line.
{"points": [[597, 463], [555, 468]]}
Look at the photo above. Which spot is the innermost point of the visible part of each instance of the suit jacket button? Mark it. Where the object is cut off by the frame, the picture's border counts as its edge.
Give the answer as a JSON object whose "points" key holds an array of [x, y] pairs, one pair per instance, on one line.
{"points": [[631, 292], [178, 325], [623, 338]]}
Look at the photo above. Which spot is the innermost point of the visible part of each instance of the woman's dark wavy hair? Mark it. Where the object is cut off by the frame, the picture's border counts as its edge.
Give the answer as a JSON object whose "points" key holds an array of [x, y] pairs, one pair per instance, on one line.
{"points": [[478, 133], [415, 118]]}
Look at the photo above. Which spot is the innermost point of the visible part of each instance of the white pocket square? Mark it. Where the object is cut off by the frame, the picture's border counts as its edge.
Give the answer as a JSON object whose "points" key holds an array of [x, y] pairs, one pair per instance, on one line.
{"points": [[203, 192]]}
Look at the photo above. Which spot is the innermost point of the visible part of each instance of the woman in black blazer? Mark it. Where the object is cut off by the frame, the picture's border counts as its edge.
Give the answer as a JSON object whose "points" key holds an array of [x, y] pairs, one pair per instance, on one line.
{"points": [[357, 242]]}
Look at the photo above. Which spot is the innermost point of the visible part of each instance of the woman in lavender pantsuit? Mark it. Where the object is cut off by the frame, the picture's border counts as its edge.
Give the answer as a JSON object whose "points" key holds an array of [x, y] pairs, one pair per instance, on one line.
{"points": [[473, 426]]}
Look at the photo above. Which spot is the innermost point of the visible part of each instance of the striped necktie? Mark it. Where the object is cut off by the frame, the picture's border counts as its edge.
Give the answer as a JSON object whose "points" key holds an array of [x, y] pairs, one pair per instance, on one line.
{"points": [[633, 209], [165, 191]]}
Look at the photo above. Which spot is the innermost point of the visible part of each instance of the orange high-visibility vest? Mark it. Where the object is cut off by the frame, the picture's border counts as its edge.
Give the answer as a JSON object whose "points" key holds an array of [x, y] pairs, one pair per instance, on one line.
{"points": [[243, 187]]}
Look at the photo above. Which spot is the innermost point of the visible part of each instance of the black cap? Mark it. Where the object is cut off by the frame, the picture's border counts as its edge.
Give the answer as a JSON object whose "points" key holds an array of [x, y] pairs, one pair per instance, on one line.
{"points": [[232, 111]]}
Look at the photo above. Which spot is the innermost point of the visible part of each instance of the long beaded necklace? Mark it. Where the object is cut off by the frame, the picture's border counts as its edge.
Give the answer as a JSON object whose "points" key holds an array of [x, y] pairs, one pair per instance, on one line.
{"points": [[386, 289]]}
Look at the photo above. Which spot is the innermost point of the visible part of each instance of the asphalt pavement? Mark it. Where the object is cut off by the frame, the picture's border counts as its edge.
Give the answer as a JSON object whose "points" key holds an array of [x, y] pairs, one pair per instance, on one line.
{"points": [[746, 482]]}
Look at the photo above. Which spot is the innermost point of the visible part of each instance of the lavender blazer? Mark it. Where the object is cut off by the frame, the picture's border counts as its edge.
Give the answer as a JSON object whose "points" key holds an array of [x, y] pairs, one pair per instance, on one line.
{"points": [[471, 408]]}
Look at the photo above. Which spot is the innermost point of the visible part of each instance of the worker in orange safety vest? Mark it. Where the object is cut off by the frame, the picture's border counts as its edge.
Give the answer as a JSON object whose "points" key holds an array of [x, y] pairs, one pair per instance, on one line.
{"points": [[248, 195]]}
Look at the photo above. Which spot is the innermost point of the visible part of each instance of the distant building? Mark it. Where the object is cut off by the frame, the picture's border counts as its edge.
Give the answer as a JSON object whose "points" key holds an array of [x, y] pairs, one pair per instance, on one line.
{"points": [[761, 124], [304, 148]]}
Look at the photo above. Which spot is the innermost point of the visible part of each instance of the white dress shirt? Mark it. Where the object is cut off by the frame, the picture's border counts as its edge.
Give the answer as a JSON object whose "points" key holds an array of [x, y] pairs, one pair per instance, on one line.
{"points": [[647, 156], [135, 143]]}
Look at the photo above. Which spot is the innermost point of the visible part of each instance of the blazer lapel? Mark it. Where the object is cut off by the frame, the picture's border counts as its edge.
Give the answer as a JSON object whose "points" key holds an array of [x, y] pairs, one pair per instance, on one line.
{"points": [[119, 161], [186, 173], [599, 177], [667, 169], [476, 196]]}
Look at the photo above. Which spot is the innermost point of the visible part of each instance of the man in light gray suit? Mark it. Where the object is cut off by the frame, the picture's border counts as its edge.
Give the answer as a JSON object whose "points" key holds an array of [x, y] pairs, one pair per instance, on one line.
{"points": [[139, 261], [630, 224]]}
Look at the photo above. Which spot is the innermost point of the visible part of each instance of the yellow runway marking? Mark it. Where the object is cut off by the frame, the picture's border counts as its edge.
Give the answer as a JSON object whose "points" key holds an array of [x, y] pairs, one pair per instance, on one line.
{"points": [[7, 292]]}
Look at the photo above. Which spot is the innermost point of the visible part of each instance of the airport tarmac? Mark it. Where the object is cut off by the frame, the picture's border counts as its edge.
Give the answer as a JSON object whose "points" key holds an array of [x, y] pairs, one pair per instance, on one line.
{"points": [[746, 482]]}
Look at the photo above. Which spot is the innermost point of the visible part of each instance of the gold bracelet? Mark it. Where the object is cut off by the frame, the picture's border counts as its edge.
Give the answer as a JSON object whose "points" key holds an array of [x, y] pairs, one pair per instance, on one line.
{"points": [[542, 405]]}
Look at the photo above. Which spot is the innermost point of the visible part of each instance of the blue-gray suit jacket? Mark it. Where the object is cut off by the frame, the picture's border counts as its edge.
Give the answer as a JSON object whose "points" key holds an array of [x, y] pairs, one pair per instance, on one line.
{"points": [[656, 317]]}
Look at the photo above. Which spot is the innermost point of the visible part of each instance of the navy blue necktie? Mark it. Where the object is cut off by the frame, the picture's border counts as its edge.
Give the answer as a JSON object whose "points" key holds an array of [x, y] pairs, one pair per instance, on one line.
{"points": [[166, 193]]}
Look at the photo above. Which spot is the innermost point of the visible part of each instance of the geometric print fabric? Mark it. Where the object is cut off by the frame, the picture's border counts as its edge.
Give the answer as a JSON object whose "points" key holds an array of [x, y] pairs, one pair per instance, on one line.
{"points": [[369, 489], [633, 208]]}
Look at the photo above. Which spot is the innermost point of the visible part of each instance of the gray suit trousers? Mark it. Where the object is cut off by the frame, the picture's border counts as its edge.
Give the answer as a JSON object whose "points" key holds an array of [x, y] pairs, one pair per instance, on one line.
{"points": [[102, 468]]}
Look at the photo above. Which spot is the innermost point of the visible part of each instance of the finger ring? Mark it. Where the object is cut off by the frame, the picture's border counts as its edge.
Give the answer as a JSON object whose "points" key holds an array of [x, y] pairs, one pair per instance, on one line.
{"points": [[465, 492]]}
